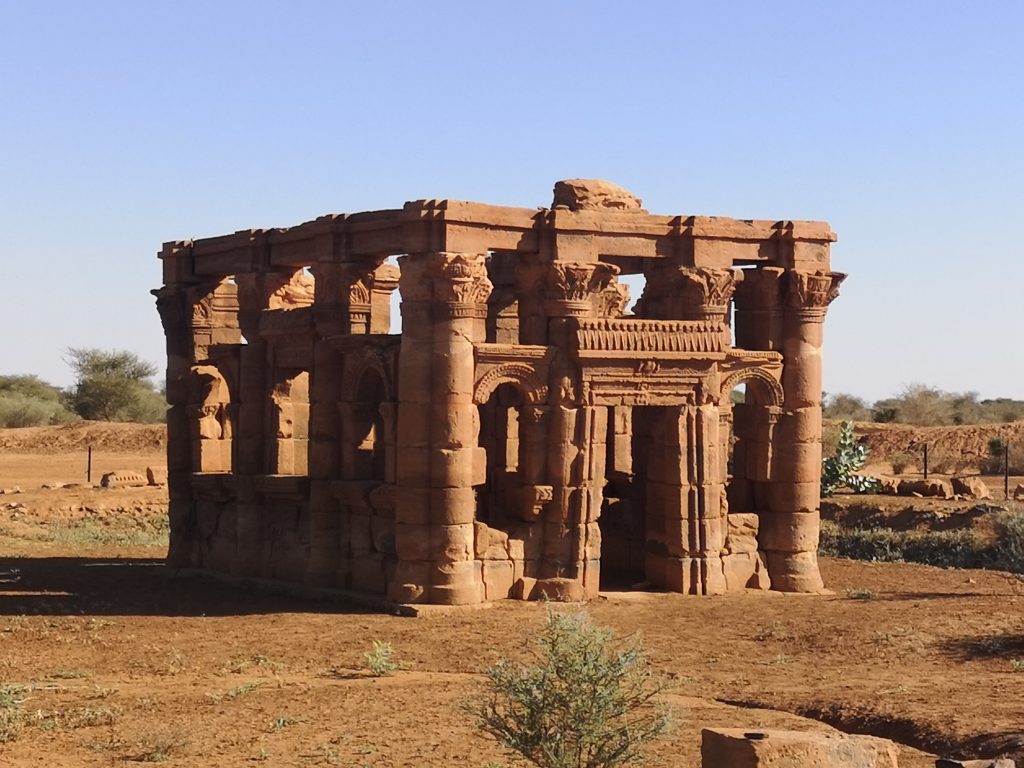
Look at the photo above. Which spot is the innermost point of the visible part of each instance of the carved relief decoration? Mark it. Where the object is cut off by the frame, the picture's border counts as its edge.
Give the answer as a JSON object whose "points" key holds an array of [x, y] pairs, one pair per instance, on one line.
{"points": [[612, 300], [526, 378], [296, 292]]}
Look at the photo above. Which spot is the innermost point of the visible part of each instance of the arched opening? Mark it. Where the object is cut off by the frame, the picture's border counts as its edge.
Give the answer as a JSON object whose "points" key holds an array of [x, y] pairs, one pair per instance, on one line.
{"points": [[745, 431], [290, 424], [499, 437]]}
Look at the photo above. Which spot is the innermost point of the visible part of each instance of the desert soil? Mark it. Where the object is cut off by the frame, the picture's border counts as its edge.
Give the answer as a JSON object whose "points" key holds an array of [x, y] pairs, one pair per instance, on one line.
{"points": [[122, 661]]}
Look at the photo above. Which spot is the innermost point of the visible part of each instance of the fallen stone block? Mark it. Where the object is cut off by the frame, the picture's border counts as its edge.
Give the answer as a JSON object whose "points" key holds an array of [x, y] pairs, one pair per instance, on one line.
{"points": [[739, 748], [971, 487], [123, 479], [9, 491], [1018, 492], [1003, 762], [940, 489]]}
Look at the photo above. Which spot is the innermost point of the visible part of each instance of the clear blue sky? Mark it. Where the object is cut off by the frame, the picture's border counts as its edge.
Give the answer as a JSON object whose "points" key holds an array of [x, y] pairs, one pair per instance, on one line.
{"points": [[126, 124]]}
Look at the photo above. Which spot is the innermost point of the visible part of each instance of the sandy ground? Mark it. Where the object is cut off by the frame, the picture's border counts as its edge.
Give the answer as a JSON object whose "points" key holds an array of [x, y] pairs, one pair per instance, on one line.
{"points": [[121, 661]]}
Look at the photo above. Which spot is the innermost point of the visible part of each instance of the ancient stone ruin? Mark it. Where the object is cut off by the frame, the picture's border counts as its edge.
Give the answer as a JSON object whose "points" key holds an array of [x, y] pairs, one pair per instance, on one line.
{"points": [[524, 435]]}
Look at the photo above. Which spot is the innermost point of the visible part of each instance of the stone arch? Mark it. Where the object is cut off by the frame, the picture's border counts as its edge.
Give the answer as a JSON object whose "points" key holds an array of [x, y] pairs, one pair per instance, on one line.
{"points": [[766, 385], [522, 376], [357, 366]]}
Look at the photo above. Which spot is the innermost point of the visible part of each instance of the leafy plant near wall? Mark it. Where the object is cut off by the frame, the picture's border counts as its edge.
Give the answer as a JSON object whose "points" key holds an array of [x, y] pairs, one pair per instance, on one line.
{"points": [[840, 470]]}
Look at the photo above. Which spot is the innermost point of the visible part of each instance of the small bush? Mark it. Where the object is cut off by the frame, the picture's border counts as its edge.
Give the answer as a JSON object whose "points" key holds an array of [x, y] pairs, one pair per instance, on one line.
{"points": [[995, 461], [1008, 551], [902, 461], [587, 701], [12, 717], [860, 594], [380, 659]]}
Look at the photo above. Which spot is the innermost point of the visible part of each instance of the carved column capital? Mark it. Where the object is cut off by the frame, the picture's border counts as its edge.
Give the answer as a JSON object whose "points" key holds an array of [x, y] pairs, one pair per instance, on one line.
{"points": [[170, 304], [456, 283], [810, 293], [571, 288], [706, 292], [674, 292]]}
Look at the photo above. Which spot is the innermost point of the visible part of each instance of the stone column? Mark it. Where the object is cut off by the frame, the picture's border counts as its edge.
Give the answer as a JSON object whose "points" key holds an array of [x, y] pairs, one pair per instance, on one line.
{"points": [[789, 534], [444, 311], [171, 304], [577, 433], [684, 493]]}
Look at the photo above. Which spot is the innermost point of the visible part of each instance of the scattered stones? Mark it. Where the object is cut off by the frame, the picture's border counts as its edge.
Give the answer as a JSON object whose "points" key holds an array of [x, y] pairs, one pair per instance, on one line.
{"points": [[9, 491]]}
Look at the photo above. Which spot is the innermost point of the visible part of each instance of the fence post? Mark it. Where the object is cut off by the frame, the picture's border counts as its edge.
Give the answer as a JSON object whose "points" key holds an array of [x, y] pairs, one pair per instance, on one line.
{"points": [[926, 461], [88, 466], [1006, 470]]}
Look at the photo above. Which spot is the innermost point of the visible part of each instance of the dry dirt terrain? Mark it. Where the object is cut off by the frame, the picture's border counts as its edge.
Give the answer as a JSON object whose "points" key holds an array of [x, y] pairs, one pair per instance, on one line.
{"points": [[117, 661]]}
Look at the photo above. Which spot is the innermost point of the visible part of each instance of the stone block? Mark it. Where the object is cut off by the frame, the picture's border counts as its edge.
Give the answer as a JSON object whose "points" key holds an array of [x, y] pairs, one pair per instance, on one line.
{"points": [[123, 478], [741, 532], [738, 748], [559, 590], [498, 578], [971, 487]]}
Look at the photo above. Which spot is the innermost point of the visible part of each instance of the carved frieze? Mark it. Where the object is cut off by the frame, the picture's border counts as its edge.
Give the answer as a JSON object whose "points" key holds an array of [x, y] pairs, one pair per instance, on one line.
{"points": [[634, 336]]}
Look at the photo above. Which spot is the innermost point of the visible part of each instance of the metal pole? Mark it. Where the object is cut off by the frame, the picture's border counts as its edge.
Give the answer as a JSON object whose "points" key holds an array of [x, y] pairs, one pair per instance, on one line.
{"points": [[1006, 470], [926, 461], [88, 466]]}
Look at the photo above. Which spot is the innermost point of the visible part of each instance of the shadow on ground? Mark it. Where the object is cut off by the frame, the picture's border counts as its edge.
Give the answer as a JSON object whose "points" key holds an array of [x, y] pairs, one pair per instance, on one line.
{"points": [[72, 586]]}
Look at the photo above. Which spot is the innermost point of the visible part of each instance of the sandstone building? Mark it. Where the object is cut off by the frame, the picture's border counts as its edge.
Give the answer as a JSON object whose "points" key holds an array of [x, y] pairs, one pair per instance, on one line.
{"points": [[524, 435]]}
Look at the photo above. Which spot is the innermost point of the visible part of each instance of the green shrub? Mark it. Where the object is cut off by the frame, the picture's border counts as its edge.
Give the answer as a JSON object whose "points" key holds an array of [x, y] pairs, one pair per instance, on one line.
{"points": [[1008, 551], [587, 701], [12, 716], [380, 659], [841, 469]]}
